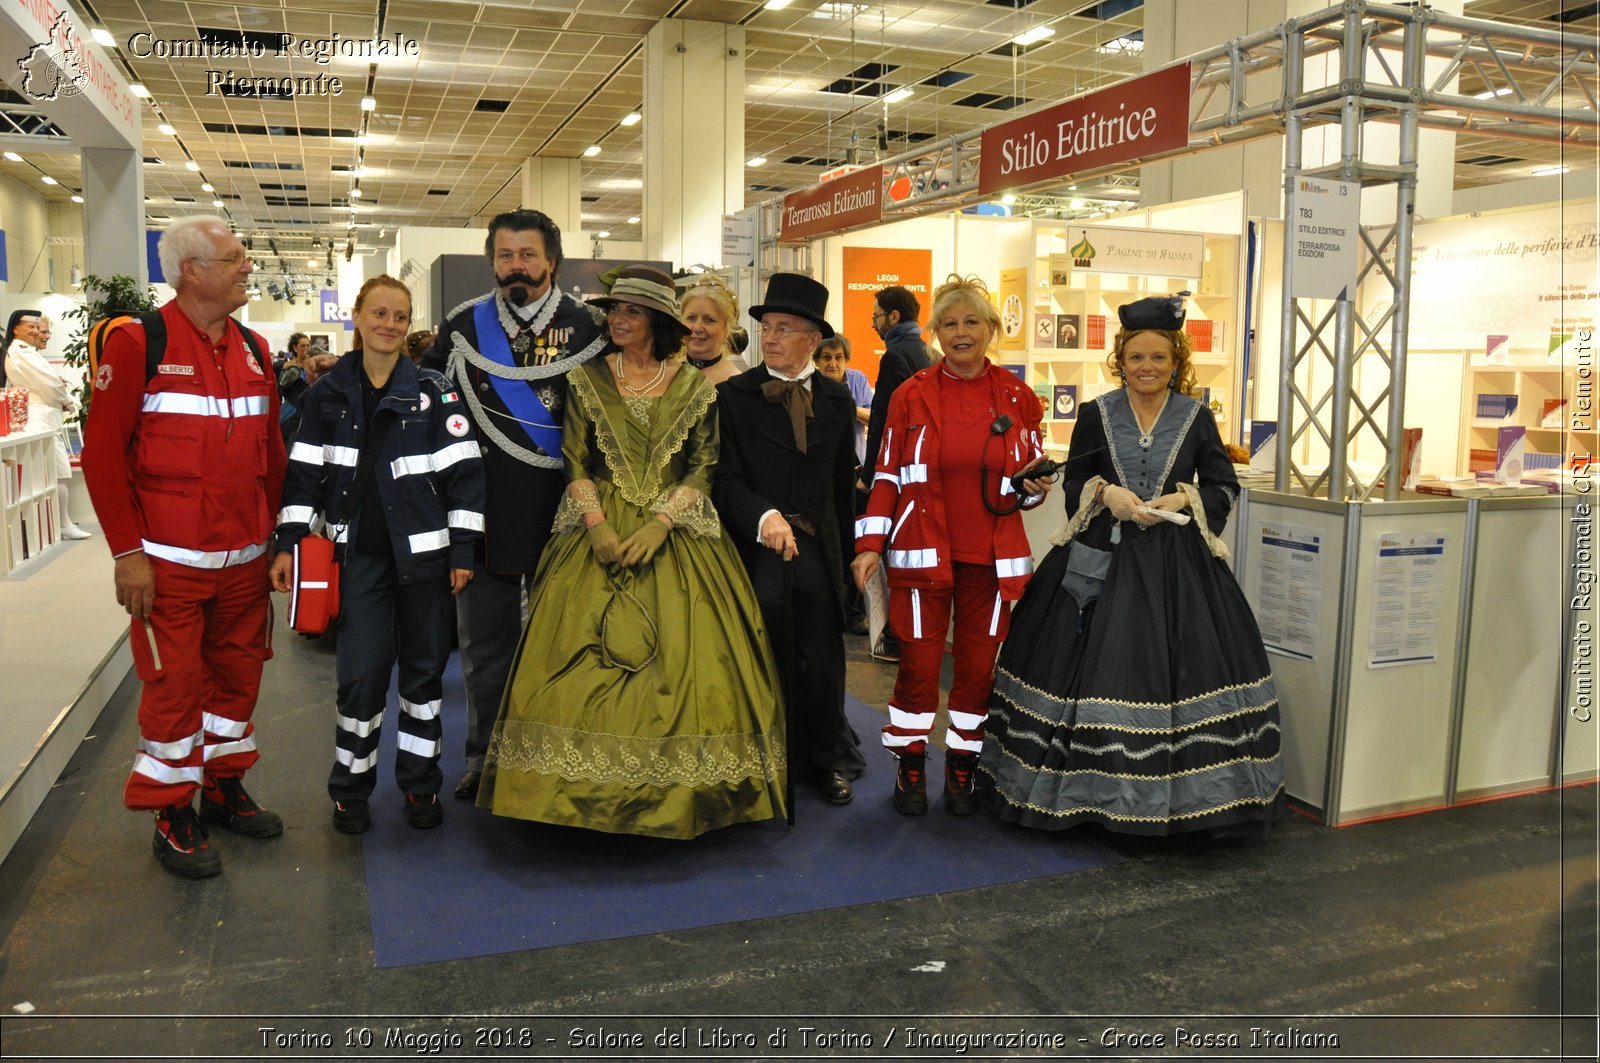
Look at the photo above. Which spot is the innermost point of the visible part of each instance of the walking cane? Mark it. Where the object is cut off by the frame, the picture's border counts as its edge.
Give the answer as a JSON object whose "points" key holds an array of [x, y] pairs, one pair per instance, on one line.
{"points": [[788, 685]]}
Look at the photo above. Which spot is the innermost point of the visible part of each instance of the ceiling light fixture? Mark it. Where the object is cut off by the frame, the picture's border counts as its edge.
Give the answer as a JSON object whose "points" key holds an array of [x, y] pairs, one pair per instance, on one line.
{"points": [[192, 166], [634, 220], [759, 160], [1492, 93], [13, 156], [632, 118], [899, 94], [77, 198], [166, 129], [103, 37], [369, 103], [1548, 171], [355, 193], [216, 203], [777, 5], [138, 89], [47, 179], [1009, 198], [591, 151], [207, 186], [604, 234]]}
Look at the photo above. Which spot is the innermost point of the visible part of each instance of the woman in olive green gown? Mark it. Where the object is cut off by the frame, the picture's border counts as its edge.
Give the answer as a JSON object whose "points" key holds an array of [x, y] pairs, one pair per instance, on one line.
{"points": [[643, 698]]}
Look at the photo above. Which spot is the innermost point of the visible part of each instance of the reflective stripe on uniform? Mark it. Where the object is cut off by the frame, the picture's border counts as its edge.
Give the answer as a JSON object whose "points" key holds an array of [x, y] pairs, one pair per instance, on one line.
{"points": [[203, 558], [223, 727], [465, 519], [357, 765], [305, 452], [422, 542], [204, 405], [911, 721], [223, 749], [296, 514], [872, 526], [421, 747], [916, 614], [914, 558], [359, 728], [1013, 566], [426, 710], [172, 750], [438, 461], [349, 457], [889, 476], [914, 474], [148, 766]]}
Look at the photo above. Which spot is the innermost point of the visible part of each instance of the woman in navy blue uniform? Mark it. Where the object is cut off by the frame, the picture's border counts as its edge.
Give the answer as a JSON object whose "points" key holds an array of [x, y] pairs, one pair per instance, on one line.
{"points": [[385, 456]]}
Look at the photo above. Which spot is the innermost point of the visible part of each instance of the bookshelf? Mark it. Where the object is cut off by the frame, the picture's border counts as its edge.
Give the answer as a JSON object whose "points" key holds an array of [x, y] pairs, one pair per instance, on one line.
{"points": [[1072, 321], [28, 491], [1524, 391]]}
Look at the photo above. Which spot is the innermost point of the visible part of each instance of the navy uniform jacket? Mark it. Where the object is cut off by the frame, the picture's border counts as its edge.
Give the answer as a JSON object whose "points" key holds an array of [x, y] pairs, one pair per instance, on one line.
{"points": [[522, 495], [429, 474]]}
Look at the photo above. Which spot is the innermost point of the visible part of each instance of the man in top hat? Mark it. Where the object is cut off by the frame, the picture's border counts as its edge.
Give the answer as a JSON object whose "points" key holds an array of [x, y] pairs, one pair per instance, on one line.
{"points": [[508, 353], [783, 489]]}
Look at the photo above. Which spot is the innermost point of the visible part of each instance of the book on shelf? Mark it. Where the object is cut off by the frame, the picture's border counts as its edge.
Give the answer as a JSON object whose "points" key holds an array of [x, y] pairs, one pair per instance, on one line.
{"points": [[1044, 330], [1068, 331], [1550, 413], [1060, 271], [1511, 443], [1216, 400], [1263, 446], [1496, 407], [1042, 393], [1480, 459], [1471, 487], [1199, 330], [1019, 370], [1534, 461], [1496, 349], [1094, 332], [1064, 404]]}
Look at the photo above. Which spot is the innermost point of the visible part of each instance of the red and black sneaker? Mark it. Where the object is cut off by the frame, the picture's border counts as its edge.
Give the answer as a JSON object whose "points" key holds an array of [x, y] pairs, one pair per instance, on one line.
{"points": [[911, 784], [224, 801], [180, 844], [352, 817], [960, 793], [424, 811]]}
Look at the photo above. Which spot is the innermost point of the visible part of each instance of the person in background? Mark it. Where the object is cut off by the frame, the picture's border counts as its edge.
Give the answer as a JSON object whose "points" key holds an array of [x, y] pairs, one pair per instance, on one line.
{"points": [[710, 309], [310, 362], [895, 313], [417, 345], [783, 492], [50, 403], [20, 321], [185, 466], [945, 514], [1134, 691], [833, 359], [656, 686], [404, 503]]}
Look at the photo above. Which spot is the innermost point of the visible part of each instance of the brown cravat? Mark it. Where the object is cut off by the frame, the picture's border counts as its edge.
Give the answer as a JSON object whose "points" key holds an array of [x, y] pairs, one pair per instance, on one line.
{"points": [[796, 399]]}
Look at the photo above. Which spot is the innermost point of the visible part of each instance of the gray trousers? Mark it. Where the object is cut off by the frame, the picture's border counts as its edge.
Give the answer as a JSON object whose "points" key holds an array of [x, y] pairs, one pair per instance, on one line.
{"points": [[489, 619]]}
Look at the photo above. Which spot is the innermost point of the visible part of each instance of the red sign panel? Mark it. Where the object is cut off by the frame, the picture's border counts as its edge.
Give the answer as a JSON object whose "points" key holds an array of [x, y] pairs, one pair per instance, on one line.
{"points": [[1140, 117], [845, 202]]}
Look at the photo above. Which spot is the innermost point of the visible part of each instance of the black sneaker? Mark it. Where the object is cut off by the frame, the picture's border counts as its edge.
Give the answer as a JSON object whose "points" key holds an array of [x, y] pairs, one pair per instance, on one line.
{"points": [[911, 784], [180, 844], [424, 811], [960, 795], [225, 802], [887, 649], [351, 817]]}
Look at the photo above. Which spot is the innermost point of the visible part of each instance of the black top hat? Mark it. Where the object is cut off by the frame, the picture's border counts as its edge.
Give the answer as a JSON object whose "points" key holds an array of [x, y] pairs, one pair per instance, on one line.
{"points": [[793, 293], [1164, 312]]}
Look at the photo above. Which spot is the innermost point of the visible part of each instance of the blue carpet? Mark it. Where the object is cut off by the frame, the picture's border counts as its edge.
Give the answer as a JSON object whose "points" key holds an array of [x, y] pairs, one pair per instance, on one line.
{"points": [[481, 885]]}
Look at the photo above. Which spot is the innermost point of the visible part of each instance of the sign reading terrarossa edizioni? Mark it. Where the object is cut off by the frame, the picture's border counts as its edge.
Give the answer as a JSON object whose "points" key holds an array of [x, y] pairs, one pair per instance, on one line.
{"points": [[843, 203], [1145, 116], [1148, 252]]}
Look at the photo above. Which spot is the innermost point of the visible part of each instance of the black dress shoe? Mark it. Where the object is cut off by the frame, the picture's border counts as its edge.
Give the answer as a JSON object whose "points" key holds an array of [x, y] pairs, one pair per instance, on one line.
{"points": [[467, 788], [836, 789]]}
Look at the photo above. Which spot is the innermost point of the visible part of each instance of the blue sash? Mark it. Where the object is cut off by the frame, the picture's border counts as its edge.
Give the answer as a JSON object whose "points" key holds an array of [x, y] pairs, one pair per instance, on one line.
{"points": [[535, 420]]}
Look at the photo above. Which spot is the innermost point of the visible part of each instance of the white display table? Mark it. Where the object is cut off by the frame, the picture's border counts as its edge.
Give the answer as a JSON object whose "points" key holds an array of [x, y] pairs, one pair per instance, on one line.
{"points": [[32, 525]]}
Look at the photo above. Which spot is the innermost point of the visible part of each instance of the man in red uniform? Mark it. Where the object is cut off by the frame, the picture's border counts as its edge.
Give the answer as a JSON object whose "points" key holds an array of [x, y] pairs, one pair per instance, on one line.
{"points": [[185, 464]]}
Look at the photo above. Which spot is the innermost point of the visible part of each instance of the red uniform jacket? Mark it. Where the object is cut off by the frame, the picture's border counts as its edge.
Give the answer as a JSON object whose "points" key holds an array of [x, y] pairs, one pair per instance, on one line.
{"points": [[908, 510], [188, 467]]}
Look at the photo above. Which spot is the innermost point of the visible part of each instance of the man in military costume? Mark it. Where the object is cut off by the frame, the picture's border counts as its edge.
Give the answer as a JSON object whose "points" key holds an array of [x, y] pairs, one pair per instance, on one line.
{"points": [[509, 352]]}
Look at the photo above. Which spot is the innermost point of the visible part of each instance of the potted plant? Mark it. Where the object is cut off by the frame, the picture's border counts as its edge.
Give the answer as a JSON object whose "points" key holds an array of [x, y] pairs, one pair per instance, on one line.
{"points": [[102, 297]]}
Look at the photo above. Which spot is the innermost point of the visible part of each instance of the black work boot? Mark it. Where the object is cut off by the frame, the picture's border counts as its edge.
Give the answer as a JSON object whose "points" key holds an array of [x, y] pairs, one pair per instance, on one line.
{"points": [[911, 784], [960, 795]]}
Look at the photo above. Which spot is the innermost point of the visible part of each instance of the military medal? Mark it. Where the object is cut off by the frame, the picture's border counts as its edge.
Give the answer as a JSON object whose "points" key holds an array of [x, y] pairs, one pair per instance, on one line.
{"points": [[520, 344]]}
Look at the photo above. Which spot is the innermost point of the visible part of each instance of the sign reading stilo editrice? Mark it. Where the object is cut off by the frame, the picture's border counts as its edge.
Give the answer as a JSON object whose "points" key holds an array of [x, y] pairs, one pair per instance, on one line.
{"points": [[1145, 116], [845, 202]]}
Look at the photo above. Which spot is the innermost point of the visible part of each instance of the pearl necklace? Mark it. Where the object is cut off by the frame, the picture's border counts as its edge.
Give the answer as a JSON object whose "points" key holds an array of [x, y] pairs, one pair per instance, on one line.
{"points": [[636, 392], [1147, 438]]}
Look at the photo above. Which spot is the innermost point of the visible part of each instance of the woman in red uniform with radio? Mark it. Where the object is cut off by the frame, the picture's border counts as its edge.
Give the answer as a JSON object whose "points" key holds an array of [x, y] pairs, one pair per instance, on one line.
{"points": [[945, 514]]}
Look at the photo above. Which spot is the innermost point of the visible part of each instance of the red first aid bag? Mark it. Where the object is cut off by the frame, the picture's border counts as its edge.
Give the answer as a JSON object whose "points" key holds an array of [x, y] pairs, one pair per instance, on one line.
{"points": [[314, 597]]}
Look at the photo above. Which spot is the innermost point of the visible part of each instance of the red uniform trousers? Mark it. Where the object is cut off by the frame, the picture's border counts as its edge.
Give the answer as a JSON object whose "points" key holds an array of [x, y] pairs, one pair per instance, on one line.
{"points": [[920, 618], [200, 657]]}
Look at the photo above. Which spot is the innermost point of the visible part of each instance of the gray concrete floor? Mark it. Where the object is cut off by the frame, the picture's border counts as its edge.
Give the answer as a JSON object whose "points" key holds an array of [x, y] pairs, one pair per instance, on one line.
{"points": [[1464, 933]]}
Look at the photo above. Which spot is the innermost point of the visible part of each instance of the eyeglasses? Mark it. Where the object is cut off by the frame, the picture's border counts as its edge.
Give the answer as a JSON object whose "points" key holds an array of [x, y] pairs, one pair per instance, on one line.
{"points": [[785, 331], [876, 314], [233, 261]]}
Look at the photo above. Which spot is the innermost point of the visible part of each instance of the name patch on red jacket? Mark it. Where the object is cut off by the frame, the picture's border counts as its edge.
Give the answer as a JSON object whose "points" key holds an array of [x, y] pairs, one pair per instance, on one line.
{"points": [[173, 369]]}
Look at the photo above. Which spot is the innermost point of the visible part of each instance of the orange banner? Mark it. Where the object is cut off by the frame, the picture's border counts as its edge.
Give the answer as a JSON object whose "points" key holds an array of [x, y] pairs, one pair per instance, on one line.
{"points": [[867, 270]]}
